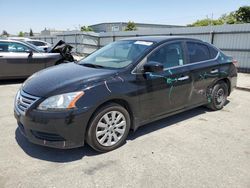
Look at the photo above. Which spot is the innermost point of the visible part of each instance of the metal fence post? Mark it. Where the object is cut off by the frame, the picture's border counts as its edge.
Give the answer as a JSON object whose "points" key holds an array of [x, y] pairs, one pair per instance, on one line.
{"points": [[76, 42], [212, 37]]}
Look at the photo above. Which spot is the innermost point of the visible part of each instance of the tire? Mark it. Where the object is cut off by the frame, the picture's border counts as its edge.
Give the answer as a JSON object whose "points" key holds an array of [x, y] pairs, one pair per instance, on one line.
{"points": [[108, 128], [218, 96]]}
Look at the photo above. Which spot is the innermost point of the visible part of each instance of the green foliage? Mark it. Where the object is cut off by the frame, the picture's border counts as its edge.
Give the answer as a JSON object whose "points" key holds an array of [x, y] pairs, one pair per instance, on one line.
{"points": [[131, 26], [86, 28], [5, 33], [243, 14], [21, 34], [206, 22], [31, 33], [228, 18]]}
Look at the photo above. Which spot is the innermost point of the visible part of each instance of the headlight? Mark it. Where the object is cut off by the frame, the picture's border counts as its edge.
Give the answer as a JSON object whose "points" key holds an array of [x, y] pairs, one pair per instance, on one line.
{"points": [[61, 102]]}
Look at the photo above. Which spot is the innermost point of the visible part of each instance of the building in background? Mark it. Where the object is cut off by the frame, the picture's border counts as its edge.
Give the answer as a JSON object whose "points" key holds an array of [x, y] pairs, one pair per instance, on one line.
{"points": [[50, 32], [120, 26]]}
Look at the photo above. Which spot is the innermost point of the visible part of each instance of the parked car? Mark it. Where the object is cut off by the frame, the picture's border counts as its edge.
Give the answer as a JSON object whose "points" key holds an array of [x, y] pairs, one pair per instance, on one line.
{"points": [[45, 46], [41, 45], [120, 87], [20, 59]]}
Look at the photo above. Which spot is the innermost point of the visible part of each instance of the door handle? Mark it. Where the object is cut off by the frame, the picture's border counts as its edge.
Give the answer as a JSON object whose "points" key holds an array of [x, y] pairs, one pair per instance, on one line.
{"points": [[214, 71], [1, 56], [183, 78]]}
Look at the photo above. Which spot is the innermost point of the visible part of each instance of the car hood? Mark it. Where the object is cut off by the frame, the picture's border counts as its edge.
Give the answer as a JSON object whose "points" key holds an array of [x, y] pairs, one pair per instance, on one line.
{"points": [[63, 78], [61, 46], [64, 49]]}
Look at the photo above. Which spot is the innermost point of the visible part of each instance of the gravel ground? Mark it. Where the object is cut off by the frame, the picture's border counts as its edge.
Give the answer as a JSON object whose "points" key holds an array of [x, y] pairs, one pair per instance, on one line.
{"points": [[197, 148]]}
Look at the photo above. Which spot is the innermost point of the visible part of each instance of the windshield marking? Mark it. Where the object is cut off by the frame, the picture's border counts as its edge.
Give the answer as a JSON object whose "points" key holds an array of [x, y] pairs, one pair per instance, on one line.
{"points": [[144, 43]]}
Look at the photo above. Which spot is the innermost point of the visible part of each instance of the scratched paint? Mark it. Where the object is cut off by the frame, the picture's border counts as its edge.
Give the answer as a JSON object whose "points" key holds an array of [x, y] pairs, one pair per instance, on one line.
{"points": [[105, 82], [169, 81], [206, 75], [121, 78]]}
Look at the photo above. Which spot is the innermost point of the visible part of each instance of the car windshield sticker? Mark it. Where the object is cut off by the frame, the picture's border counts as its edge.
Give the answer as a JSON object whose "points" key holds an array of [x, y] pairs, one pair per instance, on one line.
{"points": [[144, 43]]}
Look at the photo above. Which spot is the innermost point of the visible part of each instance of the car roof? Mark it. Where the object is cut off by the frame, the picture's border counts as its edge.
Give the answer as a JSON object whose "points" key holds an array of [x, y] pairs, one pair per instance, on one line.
{"points": [[35, 40], [11, 40], [160, 39]]}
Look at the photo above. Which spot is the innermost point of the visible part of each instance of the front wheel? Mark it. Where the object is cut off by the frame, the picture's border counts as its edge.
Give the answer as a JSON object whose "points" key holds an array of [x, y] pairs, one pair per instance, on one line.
{"points": [[108, 128], [218, 96]]}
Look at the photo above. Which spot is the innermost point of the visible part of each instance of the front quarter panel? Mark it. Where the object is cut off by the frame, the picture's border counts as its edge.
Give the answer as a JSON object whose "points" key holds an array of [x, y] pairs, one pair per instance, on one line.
{"points": [[52, 58], [113, 88]]}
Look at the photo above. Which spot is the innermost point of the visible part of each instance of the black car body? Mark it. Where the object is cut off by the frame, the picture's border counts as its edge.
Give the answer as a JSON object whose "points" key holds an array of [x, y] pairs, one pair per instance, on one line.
{"points": [[19, 59], [168, 75]]}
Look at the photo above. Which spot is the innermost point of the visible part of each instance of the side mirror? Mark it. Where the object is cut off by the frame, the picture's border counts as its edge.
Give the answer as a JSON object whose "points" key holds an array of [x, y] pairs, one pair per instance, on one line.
{"points": [[153, 66]]}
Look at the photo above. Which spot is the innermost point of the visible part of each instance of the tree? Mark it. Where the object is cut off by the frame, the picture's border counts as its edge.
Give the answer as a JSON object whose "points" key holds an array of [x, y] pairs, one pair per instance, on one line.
{"points": [[228, 18], [131, 26], [31, 33], [5, 33], [243, 14], [86, 28], [206, 22], [21, 34]]}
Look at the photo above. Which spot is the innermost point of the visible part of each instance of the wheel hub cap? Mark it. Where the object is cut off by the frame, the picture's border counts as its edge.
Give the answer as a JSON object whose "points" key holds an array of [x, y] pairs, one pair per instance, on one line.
{"points": [[110, 128], [220, 95]]}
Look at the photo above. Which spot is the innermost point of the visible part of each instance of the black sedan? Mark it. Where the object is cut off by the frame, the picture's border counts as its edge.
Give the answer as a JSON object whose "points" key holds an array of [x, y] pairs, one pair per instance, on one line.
{"points": [[120, 87], [19, 59]]}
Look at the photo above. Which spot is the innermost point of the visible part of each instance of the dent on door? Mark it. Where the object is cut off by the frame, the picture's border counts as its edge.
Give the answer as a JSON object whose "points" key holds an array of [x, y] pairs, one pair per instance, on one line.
{"points": [[178, 82], [165, 92]]}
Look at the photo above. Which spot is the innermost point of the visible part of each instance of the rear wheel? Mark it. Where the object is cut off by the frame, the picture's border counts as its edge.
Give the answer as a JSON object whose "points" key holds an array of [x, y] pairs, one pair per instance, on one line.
{"points": [[218, 96], [109, 128]]}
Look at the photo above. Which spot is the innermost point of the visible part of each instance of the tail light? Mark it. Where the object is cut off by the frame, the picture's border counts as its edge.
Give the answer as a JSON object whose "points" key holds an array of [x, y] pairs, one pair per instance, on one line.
{"points": [[235, 62]]}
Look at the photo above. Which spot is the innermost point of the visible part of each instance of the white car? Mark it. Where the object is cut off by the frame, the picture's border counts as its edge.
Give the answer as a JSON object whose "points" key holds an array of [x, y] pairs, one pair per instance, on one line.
{"points": [[41, 45]]}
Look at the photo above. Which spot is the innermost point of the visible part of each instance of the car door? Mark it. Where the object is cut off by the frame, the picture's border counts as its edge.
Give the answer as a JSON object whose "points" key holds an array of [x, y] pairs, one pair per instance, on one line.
{"points": [[204, 68], [38, 61], [14, 59], [169, 90], [17, 60], [3, 61]]}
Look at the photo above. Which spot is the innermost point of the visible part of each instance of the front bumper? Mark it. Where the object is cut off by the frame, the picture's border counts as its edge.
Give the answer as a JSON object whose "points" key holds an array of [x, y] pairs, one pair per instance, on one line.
{"points": [[62, 130]]}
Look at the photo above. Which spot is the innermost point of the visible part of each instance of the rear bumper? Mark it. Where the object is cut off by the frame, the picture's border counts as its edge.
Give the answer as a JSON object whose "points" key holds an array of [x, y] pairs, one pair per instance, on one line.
{"points": [[57, 130]]}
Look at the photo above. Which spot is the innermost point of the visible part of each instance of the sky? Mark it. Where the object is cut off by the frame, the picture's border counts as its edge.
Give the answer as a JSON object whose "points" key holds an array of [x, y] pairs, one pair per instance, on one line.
{"points": [[21, 15]]}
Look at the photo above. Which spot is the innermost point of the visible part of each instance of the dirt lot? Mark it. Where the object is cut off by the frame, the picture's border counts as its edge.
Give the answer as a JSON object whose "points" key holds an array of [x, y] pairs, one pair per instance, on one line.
{"points": [[198, 148]]}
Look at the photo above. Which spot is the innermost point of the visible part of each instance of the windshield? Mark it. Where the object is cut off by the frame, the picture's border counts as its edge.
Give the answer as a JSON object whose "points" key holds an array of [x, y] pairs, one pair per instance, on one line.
{"points": [[117, 54]]}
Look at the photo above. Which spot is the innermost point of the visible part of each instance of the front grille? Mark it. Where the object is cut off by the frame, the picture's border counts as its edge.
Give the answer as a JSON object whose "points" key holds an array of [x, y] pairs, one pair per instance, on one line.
{"points": [[24, 101], [47, 136]]}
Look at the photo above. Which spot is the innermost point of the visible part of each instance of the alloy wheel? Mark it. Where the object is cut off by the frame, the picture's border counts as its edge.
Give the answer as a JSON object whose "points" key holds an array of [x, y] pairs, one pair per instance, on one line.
{"points": [[110, 128]]}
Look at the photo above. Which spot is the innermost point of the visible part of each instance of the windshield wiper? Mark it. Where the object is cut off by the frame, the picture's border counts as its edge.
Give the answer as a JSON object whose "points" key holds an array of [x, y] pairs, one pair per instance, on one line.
{"points": [[92, 65]]}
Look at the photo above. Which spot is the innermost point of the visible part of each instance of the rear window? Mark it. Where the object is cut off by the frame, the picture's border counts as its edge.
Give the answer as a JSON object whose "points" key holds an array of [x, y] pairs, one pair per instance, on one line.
{"points": [[37, 43], [213, 52], [197, 52]]}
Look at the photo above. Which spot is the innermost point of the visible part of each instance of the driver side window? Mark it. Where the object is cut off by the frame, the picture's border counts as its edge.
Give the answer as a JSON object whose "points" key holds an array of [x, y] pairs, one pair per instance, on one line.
{"points": [[169, 55], [16, 47]]}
